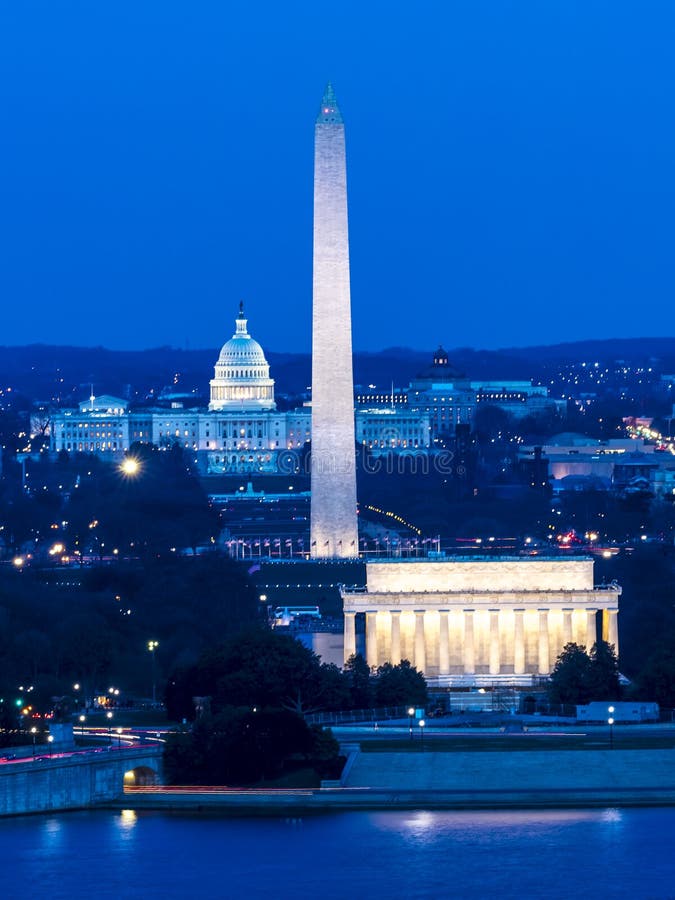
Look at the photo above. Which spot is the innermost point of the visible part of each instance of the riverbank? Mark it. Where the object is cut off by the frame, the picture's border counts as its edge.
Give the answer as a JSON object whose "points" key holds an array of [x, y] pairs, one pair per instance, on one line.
{"points": [[447, 781], [330, 800]]}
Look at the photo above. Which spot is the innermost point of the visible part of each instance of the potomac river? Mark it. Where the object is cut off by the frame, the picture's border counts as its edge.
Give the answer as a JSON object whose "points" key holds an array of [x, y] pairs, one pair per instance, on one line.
{"points": [[594, 853]]}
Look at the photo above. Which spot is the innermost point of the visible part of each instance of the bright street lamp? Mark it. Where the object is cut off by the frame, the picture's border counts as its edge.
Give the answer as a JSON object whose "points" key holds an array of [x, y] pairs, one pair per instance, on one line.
{"points": [[411, 713], [33, 732], [610, 722], [50, 741], [130, 466], [422, 723], [82, 719], [152, 646]]}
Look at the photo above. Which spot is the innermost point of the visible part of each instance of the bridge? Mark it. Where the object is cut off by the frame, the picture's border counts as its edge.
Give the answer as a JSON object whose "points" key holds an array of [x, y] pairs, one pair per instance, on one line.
{"points": [[80, 780]]}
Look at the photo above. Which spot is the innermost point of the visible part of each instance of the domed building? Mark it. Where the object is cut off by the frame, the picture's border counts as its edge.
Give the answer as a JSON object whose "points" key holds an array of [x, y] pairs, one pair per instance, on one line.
{"points": [[242, 374]]}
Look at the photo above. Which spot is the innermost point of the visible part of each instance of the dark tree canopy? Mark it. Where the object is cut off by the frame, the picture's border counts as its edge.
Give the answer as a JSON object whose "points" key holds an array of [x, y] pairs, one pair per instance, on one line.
{"points": [[261, 668], [266, 669], [359, 680], [579, 677], [657, 678], [400, 685], [238, 746], [94, 628]]}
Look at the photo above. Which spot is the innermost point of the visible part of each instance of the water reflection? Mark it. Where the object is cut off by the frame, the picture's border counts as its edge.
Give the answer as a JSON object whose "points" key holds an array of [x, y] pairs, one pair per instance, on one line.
{"points": [[128, 818], [421, 821], [405, 854]]}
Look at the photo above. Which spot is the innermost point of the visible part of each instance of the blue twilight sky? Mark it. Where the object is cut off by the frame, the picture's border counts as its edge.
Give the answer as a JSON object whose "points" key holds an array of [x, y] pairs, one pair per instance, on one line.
{"points": [[511, 169]]}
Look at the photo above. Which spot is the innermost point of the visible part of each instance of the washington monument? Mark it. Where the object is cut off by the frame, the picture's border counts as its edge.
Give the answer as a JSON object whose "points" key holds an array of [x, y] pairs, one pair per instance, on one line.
{"points": [[334, 529]]}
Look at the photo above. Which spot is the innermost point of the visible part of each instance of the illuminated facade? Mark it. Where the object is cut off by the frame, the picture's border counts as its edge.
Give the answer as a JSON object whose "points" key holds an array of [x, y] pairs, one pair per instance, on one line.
{"points": [[448, 398], [393, 430], [242, 376], [241, 432], [470, 621]]}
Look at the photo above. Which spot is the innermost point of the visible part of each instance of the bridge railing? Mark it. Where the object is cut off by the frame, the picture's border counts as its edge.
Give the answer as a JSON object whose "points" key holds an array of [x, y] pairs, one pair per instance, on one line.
{"points": [[356, 716]]}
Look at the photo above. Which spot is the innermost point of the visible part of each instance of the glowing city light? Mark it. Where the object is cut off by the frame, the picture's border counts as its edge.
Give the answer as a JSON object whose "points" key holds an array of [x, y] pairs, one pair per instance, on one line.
{"points": [[130, 466]]}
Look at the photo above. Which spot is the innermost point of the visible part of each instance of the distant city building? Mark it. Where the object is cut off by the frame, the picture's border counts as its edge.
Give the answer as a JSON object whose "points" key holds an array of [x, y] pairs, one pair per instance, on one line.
{"points": [[242, 377], [577, 463], [449, 398], [388, 430], [444, 394], [240, 432]]}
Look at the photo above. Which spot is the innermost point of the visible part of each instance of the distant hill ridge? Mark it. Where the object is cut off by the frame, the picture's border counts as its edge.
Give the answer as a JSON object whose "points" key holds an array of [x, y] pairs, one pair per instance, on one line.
{"points": [[45, 372]]}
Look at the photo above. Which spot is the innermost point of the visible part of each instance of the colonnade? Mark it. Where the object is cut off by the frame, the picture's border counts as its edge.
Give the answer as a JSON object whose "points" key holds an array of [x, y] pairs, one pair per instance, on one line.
{"points": [[490, 639]]}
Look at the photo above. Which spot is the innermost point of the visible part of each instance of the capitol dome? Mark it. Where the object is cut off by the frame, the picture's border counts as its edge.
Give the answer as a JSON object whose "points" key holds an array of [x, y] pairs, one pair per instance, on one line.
{"points": [[242, 374]]}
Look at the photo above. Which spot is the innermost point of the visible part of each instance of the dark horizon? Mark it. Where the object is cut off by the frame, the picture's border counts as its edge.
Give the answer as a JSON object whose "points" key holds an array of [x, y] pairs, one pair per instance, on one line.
{"points": [[632, 342]]}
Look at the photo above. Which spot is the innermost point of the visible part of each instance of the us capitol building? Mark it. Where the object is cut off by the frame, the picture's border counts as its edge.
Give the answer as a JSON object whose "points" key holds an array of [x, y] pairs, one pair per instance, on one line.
{"points": [[241, 431]]}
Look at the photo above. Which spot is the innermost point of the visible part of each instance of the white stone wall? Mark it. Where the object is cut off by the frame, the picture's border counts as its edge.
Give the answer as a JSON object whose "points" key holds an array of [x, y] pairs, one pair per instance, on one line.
{"points": [[490, 575]]}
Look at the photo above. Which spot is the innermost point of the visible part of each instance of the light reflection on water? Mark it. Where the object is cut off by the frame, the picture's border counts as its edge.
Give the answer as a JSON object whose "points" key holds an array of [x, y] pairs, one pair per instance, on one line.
{"points": [[416, 854]]}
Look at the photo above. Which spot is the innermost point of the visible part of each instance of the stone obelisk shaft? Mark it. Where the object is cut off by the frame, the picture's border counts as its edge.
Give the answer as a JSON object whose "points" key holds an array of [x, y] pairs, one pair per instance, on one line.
{"points": [[334, 529]]}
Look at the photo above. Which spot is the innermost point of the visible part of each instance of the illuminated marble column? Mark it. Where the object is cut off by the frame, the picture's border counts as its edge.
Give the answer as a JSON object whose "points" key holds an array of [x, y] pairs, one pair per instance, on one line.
{"points": [[591, 627], [420, 645], [612, 628], [495, 659], [469, 648], [395, 637], [544, 660], [371, 639], [519, 643], [350, 635], [444, 642], [567, 627]]}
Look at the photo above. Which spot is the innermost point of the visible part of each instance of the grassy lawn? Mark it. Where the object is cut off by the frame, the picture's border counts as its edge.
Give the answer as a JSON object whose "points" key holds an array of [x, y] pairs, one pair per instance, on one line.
{"points": [[499, 743]]}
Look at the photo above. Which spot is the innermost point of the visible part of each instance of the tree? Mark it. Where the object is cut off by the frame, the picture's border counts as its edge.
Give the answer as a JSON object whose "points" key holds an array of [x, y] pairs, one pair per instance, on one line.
{"points": [[359, 681], [604, 674], [260, 668], [571, 676], [579, 677], [656, 681], [400, 685], [241, 746]]}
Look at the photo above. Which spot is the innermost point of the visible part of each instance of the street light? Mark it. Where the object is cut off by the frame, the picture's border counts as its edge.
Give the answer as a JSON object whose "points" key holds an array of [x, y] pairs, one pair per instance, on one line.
{"points": [[411, 713], [119, 738], [130, 466], [82, 719], [610, 722], [422, 724], [109, 716], [50, 741], [152, 646], [33, 732]]}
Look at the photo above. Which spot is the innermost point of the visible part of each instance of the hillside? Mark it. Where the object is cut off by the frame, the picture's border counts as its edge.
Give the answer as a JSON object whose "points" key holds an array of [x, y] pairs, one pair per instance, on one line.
{"points": [[66, 374]]}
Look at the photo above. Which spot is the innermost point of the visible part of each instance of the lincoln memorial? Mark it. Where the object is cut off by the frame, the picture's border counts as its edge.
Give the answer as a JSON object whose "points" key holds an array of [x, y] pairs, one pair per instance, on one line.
{"points": [[470, 621]]}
